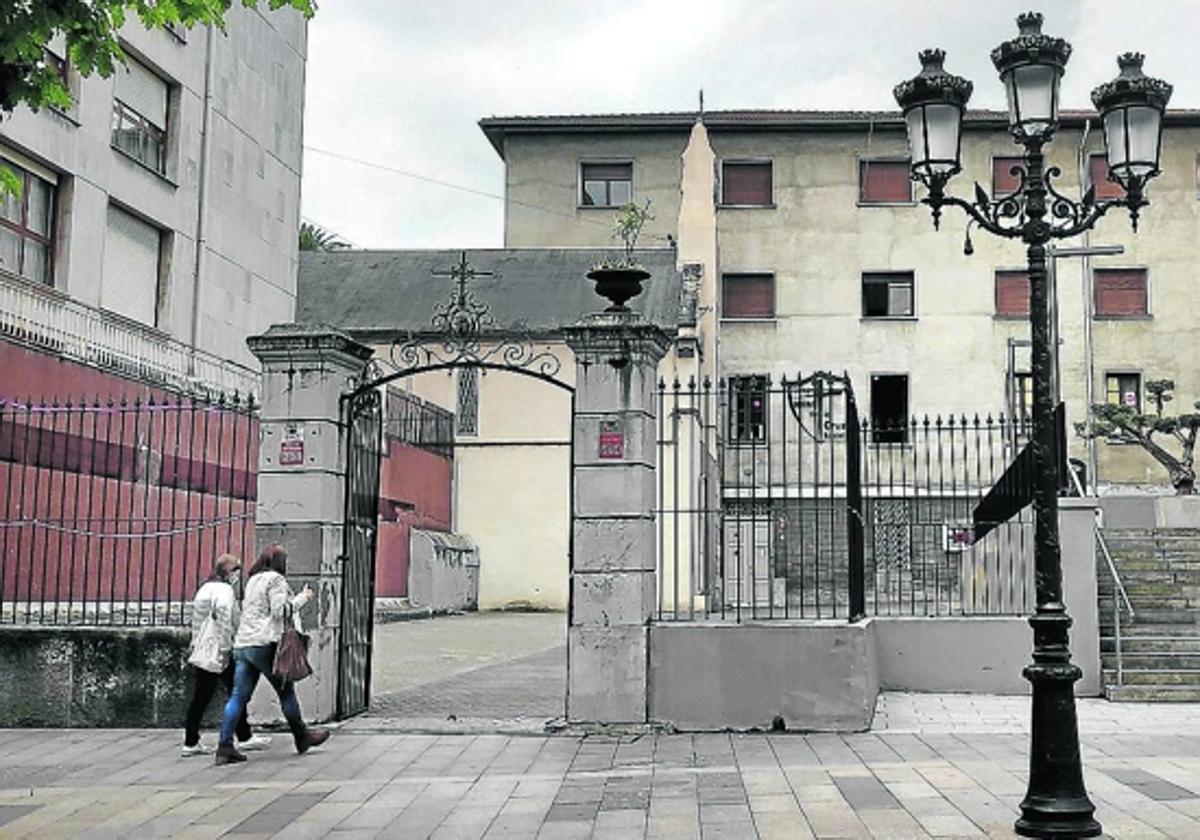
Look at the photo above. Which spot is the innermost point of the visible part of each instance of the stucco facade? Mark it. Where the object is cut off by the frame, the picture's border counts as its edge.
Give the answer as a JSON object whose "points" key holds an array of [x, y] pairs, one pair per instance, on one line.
{"points": [[818, 239], [226, 202]]}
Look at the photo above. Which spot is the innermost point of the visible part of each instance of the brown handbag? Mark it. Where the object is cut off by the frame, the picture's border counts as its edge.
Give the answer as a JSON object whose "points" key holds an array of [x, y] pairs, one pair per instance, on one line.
{"points": [[291, 654]]}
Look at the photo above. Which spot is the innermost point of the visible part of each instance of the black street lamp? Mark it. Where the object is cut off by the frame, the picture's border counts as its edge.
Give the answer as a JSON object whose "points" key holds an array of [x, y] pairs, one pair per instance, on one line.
{"points": [[1131, 108]]}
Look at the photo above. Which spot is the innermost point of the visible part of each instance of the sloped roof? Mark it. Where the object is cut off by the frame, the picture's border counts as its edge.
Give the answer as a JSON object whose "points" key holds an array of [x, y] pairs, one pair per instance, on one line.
{"points": [[388, 293], [495, 128]]}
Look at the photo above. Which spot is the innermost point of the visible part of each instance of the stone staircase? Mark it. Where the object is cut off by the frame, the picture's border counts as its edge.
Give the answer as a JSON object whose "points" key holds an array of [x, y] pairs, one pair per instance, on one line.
{"points": [[1160, 646]]}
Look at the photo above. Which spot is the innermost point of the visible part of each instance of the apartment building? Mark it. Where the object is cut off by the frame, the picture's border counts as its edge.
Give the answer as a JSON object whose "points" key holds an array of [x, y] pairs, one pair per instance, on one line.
{"points": [[814, 253], [156, 228]]}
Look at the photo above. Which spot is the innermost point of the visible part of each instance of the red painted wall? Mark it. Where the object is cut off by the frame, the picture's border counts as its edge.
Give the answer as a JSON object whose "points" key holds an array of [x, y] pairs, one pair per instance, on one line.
{"points": [[414, 492]]}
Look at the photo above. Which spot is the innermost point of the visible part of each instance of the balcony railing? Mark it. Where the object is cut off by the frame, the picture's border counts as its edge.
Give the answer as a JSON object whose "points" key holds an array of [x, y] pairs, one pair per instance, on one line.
{"points": [[45, 319]]}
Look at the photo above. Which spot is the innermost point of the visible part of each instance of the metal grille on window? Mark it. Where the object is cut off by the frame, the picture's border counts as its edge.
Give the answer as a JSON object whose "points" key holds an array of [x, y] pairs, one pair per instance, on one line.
{"points": [[468, 401], [893, 537]]}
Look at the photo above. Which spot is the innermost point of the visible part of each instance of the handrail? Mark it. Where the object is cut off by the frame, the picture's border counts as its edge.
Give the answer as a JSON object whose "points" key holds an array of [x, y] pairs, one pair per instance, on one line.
{"points": [[47, 319], [1118, 585]]}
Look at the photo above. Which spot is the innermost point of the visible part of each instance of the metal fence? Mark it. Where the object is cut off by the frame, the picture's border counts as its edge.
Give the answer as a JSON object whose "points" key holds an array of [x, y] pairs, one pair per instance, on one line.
{"points": [[412, 420], [776, 502], [114, 511]]}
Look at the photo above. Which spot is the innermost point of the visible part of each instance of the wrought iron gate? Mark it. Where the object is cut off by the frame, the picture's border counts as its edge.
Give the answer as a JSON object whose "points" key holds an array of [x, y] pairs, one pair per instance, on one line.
{"points": [[363, 416]]}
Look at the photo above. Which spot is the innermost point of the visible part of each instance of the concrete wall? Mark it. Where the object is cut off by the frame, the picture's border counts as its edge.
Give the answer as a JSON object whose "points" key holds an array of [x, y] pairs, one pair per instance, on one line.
{"points": [[818, 240], [248, 276], [716, 676], [84, 677], [444, 572]]}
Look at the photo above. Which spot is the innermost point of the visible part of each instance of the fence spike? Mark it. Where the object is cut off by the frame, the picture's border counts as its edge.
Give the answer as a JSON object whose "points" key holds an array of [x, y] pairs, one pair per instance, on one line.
{"points": [[927, 421], [692, 382], [675, 382], [662, 384]]}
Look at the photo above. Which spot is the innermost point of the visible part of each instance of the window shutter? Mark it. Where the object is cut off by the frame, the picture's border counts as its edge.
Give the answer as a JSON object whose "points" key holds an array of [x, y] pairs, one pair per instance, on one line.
{"points": [[129, 281], [1003, 181], [143, 91], [746, 183], [1098, 170], [748, 296], [1012, 293], [1121, 292], [884, 181], [608, 171]]}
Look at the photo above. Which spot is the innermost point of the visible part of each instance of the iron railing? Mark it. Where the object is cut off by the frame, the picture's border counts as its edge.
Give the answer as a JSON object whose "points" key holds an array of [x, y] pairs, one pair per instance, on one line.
{"points": [[48, 320], [412, 420], [766, 488], [113, 512]]}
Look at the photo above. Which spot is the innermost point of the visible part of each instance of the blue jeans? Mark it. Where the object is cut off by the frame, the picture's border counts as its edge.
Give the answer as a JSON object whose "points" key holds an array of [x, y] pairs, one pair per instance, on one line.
{"points": [[249, 664]]}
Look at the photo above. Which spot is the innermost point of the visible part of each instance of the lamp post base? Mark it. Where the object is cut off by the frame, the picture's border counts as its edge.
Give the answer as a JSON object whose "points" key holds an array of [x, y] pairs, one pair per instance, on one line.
{"points": [[1056, 803]]}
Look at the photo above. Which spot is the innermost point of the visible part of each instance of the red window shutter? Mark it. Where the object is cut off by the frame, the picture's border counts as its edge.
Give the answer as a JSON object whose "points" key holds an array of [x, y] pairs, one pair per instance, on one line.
{"points": [[1105, 188], [1121, 292], [1003, 181], [884, 181], [746, 183], [748, 296], [1012, 293]]}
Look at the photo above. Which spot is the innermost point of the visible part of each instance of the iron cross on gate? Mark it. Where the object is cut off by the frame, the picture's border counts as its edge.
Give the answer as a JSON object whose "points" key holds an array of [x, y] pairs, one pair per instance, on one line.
{"points": [[462, 272]]}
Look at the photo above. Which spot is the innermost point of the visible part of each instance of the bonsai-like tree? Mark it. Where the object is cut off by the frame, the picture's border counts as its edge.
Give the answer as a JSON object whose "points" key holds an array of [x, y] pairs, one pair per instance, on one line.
{"points": [[1125, 424]]}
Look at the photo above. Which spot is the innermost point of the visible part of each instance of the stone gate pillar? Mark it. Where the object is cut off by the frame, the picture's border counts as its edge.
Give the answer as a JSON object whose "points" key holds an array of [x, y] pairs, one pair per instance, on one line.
{"points": [[613, 568], [301, 480]]}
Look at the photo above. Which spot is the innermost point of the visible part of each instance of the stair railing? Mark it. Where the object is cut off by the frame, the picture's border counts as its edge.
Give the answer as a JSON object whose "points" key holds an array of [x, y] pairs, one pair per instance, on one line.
{"points": [[1118, 585]]}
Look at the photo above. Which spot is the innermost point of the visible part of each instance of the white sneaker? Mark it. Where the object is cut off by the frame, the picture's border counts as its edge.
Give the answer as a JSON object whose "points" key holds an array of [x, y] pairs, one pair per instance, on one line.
{"points": [[256, 742], [199, 749]]}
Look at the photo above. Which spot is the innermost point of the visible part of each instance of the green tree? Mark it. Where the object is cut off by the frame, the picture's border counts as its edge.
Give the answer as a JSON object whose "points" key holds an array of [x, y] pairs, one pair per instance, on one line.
{"points": [[1125, 424], [315, 238], [90, 28]]}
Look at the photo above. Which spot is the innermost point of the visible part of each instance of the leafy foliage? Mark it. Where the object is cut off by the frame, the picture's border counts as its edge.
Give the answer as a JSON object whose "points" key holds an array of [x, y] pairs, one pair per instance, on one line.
{"points": [[1125, 424], [628, 227], [314, 238], [90, 28]]}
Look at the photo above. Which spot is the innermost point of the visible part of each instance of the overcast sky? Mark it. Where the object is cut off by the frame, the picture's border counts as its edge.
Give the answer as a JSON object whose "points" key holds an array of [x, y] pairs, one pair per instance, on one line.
{"points": [[402, 84]]}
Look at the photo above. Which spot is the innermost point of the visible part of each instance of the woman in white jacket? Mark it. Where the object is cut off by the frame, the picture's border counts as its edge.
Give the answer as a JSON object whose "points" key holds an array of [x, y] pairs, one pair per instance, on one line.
{"points": [[265, 603], [216, 600]]}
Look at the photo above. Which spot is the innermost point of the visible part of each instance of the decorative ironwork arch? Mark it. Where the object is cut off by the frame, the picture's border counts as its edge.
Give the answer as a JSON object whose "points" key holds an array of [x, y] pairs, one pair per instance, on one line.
{"points": [[459, 338]]}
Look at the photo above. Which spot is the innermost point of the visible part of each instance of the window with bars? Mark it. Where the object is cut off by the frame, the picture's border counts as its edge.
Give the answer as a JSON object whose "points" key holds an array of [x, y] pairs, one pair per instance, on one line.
{"points": [[605, 184], [1012, 294], [887, 294], [139, 123], [27, 226], [748, 409], [748, 296], [467, 407], [1123, 389], [1121, 293], [746, 183], [884, 182]]}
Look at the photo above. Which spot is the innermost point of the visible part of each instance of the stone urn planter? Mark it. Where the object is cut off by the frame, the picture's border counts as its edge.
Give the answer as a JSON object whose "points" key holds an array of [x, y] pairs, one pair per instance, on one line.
{"points": [[618, 285]]}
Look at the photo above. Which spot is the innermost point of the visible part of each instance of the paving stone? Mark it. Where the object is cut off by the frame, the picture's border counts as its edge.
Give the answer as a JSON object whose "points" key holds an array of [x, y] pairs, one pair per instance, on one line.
{"points": [[865, 793]]}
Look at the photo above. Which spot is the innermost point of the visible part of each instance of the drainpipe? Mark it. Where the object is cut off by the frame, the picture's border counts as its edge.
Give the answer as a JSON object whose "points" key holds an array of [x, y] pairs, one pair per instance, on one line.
{"points": [[202, 196]]}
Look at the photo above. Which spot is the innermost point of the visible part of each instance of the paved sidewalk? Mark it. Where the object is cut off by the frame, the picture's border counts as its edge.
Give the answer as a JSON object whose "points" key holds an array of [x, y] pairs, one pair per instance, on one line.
{"points": [[909, 778]]}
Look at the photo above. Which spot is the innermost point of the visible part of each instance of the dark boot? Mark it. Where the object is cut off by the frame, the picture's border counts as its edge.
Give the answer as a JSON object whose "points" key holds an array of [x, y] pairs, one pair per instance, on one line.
{"points": [[311, 738], [228, 754]]}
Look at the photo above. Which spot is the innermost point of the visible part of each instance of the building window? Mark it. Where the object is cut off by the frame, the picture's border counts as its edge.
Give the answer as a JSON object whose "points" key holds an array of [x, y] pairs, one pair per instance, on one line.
{"points": [[749, 296], [1012, 294], [887, 295], [1121, 292], [1022, 404], [606, 184], [884, 182], [139, 126], [889, 408], [1106, 188], [129, 276], [1003, 181], [467, 412], [1123, 389], [27, 225], [746, 184], [748, 403]]}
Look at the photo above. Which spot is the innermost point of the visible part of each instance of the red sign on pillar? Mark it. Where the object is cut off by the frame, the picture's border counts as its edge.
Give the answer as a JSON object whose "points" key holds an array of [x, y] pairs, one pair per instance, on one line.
{"points": [[612, 440], [291, 448]]}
